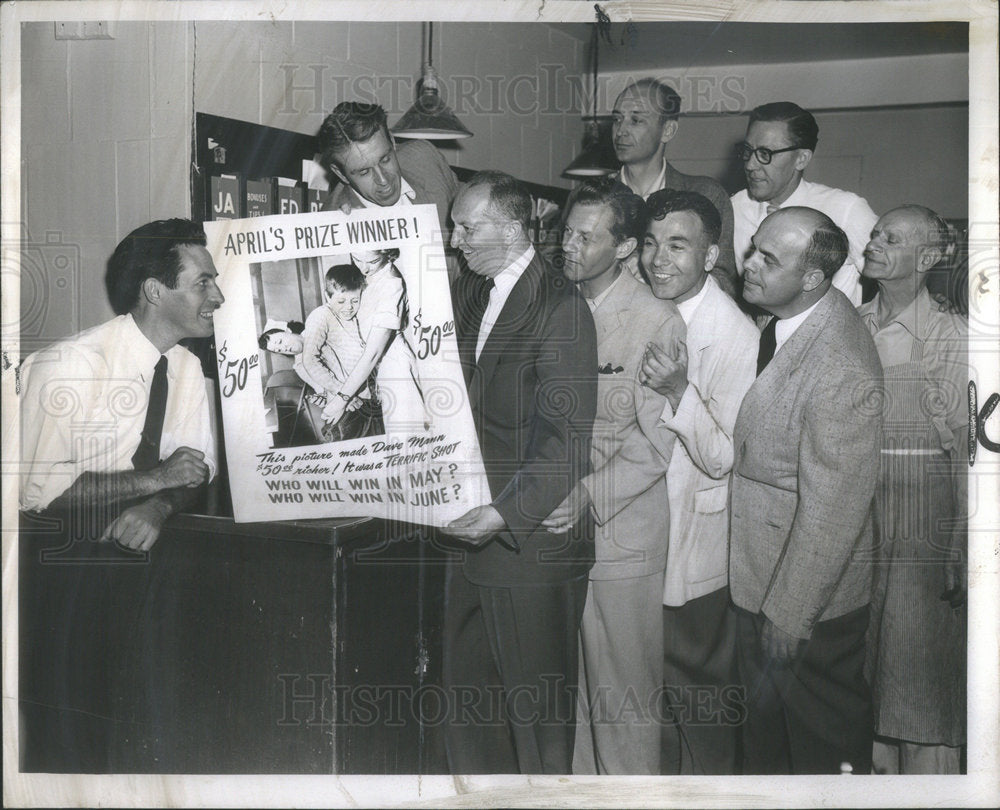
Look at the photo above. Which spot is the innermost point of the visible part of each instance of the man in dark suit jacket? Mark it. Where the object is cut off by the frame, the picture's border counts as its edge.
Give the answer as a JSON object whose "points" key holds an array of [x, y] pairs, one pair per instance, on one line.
{"points": [[357, 147], [513, 605], [806, 460]]}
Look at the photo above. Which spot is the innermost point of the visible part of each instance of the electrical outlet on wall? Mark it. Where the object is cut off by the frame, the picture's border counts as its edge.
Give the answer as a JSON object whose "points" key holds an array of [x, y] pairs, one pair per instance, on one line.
{"points": [[84, 29]]}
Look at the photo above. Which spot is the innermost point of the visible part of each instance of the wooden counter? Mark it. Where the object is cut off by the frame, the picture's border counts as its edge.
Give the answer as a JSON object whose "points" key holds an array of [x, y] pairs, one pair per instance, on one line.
{"points": [[293, 647]]}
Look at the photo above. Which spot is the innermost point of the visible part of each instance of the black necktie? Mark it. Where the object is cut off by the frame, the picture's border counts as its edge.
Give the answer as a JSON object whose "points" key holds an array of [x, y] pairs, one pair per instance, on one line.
{"points": [[147, 454], [483, 299], [767, 345]]}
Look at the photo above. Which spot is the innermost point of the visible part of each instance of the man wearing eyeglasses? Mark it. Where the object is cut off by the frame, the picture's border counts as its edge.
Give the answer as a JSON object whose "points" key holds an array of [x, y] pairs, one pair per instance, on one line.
{"points": [[528, 348], [780, 142]]}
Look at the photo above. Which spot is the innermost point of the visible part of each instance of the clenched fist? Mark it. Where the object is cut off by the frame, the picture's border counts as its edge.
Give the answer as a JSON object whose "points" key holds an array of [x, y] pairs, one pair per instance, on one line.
{"points": [[185, 468]]}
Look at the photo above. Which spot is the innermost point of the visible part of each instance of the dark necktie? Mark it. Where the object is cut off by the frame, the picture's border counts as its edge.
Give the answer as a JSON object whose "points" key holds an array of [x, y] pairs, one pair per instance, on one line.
{"points": [[147, 454], [767, 345], [483, 299]]}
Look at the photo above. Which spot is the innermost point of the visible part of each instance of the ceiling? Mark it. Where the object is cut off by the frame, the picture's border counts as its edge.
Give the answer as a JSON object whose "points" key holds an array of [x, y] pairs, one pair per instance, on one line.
{"points": [[654, 45]]}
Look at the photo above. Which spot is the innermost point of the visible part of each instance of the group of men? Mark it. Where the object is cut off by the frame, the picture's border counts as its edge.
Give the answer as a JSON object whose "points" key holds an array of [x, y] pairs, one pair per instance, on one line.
{"points": [[728, 623], [711, 543]]}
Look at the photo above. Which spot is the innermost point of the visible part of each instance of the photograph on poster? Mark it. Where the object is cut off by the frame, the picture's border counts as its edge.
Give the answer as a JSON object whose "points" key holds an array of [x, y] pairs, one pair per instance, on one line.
{"points": [[794, 344], [349, 359]]}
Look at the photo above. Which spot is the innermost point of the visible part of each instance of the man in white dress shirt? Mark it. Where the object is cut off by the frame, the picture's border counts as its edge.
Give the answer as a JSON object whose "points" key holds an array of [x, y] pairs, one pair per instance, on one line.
{"points": [[84, 399], [780, 141], [699, 627], [115, 437]]}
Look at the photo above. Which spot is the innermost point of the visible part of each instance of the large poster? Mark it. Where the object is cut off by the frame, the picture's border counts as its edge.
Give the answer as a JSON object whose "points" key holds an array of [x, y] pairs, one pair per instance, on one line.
{"points": [[341, 388]]}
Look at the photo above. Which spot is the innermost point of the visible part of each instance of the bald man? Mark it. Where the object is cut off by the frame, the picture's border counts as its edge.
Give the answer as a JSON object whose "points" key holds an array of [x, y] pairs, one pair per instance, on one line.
{"points": [[916, 652], [806, 447]]}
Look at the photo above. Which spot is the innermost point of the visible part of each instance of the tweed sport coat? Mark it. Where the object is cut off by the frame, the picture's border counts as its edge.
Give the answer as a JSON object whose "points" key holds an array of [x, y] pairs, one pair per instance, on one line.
{"points": [[807, 442]]}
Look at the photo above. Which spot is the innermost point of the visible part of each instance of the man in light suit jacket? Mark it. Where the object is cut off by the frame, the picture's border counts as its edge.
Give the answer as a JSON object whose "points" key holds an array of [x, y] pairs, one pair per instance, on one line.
{"points": [[807, 444], [699, 626], [512, 606], [617, 726], [357, 147]]}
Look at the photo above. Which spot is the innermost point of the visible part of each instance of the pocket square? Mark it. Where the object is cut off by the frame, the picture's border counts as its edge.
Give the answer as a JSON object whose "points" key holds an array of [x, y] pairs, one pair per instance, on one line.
{"points": [[607, 369]]}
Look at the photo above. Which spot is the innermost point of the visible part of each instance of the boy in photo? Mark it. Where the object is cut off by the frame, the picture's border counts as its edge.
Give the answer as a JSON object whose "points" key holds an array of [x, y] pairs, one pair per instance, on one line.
{"points": [[332, 346]]}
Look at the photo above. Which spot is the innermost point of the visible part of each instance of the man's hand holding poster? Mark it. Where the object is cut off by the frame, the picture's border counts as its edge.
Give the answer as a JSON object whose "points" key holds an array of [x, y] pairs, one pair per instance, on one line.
{"points": [[341, 388]]}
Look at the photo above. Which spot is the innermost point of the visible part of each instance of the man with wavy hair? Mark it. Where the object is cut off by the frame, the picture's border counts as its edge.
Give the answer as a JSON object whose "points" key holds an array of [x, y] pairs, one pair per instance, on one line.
{"points": [[357, 147], [115, 437], [156, 451]]}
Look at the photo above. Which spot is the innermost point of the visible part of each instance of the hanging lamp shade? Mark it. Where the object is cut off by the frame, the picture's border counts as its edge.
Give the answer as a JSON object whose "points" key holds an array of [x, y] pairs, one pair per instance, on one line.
{"points": [[430, 118], [598, 156]]}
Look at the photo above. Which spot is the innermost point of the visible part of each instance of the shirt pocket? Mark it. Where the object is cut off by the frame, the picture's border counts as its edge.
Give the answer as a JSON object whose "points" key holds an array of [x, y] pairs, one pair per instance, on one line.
{"points": [[711, 500]]}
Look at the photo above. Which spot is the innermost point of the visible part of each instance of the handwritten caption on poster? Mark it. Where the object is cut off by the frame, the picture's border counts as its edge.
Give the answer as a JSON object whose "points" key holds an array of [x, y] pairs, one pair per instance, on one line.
{"points": [[429, 471], [414, 472]]}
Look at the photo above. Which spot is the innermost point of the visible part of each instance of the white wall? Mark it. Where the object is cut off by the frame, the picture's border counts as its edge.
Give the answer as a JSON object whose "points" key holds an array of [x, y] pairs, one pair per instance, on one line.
{"points": [[893, 130], [106, 126], [887, 156]]}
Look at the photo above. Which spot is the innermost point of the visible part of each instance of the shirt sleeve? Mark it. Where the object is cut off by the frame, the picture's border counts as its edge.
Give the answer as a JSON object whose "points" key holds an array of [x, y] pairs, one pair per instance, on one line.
{"points": [[384, 300], [58, 389], [314, 340], [859, 219], [188, 422], [946, 355], [706, 415]]}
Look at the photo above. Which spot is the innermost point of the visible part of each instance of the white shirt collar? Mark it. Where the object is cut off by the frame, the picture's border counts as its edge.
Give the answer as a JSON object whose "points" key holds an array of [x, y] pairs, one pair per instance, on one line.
{"points": [[142, 353], [406, 192], [687, 308], [503, 283], [406, 195], [795, 198], [786, 327], [596, 301], [505, 280], [661, 180]]}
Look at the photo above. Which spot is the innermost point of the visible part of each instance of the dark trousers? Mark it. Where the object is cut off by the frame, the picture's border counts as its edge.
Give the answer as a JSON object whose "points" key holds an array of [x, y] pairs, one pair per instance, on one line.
{"points": [[78, 600], [701, 687], [813, 715], [510, 675]]}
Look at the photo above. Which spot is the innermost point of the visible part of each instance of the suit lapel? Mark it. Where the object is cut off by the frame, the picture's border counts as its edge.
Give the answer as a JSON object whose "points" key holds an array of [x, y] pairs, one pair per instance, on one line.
{"points": [[468, 314], [773, 380], [703, 327], [518, 310], [618, 304]]}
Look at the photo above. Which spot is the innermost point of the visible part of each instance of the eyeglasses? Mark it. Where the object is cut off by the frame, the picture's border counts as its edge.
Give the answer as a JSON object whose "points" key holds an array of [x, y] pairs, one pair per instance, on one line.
{"points": [[762, 153]]}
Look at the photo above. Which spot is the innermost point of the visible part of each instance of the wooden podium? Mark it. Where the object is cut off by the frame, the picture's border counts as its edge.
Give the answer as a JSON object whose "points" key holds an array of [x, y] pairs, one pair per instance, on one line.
{"points": [[293, 647]]}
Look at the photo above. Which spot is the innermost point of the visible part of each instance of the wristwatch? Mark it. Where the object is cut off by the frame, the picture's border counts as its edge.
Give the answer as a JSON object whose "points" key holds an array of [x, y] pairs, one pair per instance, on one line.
{"points": [[344, 396]]}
